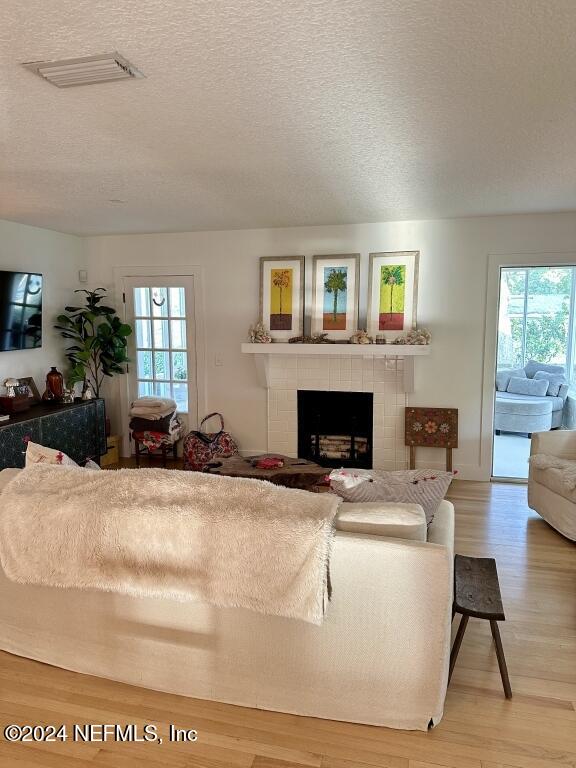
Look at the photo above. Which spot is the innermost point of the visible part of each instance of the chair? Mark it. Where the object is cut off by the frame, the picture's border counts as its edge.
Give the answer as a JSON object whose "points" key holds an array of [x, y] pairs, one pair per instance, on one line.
{"points": [[547, 493], [150, 442], [143, 446]]}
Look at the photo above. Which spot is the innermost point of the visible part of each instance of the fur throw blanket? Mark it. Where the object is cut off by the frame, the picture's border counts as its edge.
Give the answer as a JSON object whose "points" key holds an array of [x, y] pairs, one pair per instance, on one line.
{"points": [[230, 542], [566, 466]]}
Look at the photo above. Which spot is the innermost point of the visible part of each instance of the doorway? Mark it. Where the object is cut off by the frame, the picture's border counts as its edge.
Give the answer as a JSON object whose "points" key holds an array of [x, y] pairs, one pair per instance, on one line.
{"points": [[536, 343], [162, 348]]}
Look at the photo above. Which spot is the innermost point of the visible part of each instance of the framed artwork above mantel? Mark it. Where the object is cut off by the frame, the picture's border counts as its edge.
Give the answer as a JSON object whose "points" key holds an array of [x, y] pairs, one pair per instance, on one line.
{"points": [[282, 296], [392, 293], [335, 291]]}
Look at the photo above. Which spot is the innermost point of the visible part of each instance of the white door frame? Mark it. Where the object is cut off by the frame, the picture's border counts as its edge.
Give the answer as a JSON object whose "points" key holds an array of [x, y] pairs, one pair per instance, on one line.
{"points": [[197, 272], [495, 263]]}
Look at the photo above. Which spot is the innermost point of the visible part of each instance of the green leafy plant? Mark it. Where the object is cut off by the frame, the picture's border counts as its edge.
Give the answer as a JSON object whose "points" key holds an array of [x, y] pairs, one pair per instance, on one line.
{"points": [[335, 282], [100, 346]]}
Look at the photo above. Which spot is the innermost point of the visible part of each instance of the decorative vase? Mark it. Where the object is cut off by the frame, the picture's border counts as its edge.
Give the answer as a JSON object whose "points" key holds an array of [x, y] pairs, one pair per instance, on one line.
{"points": [[55, 383]]}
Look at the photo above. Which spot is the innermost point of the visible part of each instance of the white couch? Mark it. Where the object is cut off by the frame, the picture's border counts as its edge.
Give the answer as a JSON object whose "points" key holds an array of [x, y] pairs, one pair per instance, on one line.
{"points": [[525, 413], [380, 657], [547, 494]]}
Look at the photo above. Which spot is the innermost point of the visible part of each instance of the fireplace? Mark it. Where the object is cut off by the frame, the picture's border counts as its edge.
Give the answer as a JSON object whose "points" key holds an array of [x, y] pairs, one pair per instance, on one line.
{"points": [[335, 428]]}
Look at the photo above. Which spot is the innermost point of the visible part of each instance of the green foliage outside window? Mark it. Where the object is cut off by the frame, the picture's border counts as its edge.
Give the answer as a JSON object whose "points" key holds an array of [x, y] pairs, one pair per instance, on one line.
{"points": [[547, 314]]}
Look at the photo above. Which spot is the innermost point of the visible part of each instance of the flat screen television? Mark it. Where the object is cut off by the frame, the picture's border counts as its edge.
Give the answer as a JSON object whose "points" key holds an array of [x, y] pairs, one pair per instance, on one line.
{"points": [[20, 310]]}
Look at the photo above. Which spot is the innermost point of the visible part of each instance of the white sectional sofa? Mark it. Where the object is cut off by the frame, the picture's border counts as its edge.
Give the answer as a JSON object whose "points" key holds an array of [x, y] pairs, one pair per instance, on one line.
{"points": [[380, 657], [526, 412]]}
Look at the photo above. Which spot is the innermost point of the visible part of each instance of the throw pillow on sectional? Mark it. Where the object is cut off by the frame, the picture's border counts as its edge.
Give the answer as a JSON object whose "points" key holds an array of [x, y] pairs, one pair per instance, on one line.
{"points": [[555, 381], [532, 387], [407, 486], [504, 376]]}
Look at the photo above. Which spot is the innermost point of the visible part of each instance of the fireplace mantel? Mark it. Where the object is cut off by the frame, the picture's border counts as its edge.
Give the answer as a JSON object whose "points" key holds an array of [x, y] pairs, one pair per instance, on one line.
{"points": [[341, 350], [407, 352]]}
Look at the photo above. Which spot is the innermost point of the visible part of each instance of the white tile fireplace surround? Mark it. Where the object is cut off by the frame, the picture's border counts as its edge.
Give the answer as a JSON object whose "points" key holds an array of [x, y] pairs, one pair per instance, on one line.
{"points": [[384, 376]]}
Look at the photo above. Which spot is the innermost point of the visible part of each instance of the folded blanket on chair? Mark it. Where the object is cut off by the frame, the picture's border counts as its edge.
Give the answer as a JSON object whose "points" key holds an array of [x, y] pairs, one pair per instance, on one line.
{"points": [[150, 414], [140, 424], [231, 542], [154, 403]]}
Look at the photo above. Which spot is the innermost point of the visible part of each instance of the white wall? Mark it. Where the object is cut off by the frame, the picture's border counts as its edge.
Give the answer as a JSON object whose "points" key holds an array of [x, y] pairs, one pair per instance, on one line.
{"points": [[56, 256], [451, 303]]}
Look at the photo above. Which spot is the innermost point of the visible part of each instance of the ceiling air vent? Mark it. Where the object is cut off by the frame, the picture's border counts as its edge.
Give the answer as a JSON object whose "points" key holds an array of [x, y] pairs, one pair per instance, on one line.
{"points": [[87, 70]]}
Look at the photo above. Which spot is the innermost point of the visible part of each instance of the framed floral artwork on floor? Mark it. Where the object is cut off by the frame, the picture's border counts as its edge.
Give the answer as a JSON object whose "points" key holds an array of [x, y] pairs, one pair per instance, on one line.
{"points": [[282, 296], [335, 284], [392, 293]]}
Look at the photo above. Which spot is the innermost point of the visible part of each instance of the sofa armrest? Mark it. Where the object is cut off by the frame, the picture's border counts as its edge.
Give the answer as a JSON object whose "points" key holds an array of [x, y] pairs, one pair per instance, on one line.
{"points": [[561, 443], [441, 530], [395, 598]]}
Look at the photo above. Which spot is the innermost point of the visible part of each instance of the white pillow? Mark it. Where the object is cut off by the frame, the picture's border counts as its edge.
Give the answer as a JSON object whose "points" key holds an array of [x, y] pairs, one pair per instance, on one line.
{"points": [[399, 521], [39, 454]]}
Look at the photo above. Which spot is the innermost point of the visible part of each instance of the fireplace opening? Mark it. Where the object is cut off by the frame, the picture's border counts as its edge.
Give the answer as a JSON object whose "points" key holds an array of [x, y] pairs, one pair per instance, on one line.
{"points": [[335, 428]]}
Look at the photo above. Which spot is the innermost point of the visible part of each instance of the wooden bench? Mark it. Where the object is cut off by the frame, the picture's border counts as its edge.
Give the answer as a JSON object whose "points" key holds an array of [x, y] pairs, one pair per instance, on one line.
{"points": [[477, 594]]}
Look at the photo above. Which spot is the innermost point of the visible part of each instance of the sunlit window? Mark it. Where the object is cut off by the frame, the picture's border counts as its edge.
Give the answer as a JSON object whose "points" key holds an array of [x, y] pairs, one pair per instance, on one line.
{"points": [[161, 347], [536, 316]]}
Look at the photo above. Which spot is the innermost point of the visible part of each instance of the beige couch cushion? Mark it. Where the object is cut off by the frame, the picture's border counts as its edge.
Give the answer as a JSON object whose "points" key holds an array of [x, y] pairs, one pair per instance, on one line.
{"points": [[398, 521], [552, 479]]}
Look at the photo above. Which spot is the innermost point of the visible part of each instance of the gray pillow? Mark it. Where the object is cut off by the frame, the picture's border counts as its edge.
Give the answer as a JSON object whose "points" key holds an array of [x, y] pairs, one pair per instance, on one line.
{"points": [[554, 380], [504, 376], [534, 387], [408, 486], [532, 366]]}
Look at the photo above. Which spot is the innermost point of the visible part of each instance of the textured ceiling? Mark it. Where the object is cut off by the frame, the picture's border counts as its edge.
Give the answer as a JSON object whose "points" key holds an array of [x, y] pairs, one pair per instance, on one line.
{"points": [[267, 113]]}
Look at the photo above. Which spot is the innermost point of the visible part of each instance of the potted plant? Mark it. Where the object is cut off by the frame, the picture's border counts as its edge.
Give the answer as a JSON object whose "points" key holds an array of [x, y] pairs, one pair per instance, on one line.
{"points": [[99, 341]]}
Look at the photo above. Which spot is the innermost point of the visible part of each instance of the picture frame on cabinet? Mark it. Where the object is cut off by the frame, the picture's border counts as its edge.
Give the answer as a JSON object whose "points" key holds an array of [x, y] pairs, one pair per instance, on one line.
{"points": [[30, 384]]}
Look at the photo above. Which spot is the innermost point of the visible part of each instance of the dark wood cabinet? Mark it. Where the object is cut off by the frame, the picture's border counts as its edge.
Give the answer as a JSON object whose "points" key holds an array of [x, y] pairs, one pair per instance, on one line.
{"points": [[77, 429]]}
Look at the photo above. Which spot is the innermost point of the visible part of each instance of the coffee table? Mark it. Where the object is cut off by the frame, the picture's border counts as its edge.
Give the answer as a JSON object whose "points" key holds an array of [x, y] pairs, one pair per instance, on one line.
{"points": [[296, 473]]}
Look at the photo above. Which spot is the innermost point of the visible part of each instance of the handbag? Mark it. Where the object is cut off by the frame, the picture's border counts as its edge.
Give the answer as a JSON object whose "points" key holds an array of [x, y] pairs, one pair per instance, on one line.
{"points": [[201, 448]]}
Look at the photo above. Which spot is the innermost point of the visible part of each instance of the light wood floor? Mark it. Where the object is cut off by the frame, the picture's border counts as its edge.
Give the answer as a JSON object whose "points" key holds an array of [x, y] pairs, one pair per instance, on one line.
{"points": [[480, 729]]}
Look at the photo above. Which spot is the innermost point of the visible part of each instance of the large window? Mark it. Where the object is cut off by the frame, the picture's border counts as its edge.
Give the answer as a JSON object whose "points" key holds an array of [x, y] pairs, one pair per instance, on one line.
{"points": [[536, 316], [161, 347]]}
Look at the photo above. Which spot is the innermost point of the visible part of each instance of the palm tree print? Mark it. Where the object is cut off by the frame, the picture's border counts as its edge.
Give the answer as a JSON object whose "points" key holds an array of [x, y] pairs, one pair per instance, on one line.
{"points": [[334, 283], [392, 276], [281, 280]]}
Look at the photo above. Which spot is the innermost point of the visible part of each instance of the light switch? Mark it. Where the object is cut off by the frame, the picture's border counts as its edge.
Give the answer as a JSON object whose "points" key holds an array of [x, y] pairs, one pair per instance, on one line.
{"points": [[218, 360]]}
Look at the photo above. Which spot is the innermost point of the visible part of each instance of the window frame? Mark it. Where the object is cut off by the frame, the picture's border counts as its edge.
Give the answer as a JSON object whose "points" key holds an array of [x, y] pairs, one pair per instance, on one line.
{"points": [[124, 274], [571, 331], [170, 350]]}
